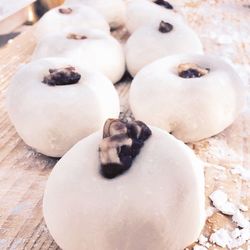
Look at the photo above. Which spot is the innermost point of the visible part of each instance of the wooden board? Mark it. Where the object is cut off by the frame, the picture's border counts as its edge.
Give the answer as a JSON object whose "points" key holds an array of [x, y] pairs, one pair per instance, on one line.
{"points": [[224, 29]]}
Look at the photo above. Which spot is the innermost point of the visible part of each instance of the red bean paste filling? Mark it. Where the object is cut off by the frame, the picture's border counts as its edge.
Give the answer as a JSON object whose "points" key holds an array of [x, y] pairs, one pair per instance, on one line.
{"points": [[62, 76], [164, 4], [165, 27], [65, 11], [190, 70], [76, 37], [122, 142]]}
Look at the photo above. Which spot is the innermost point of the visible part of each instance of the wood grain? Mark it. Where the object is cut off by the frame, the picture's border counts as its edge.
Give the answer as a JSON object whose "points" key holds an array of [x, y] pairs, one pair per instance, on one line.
{"points": [[23, 172]]}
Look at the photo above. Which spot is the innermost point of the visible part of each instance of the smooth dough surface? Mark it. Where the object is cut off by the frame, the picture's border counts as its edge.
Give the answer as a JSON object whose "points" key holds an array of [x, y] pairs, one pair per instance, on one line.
{"points": [[148, 44], [99, 51], [112, 10], [143, 12], [52, 119], [81, 16], [157, 204], [191, 109]]}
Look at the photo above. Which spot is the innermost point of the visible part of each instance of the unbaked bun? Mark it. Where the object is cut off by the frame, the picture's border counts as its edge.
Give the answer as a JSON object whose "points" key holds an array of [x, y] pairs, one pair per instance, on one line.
{"points": [[158, 203], [155, 41], [54, 103], [91, 49], [68, 16], [112, 10], [143, 12], [191, 96]]}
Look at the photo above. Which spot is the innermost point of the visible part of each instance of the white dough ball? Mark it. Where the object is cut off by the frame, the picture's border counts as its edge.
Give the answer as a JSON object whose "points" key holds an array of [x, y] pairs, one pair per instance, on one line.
{"points": [[157, 204], [143, 12], [113, 10], [66, 16], [91, 49], [51, 119], [148, 43], [190, 108]]}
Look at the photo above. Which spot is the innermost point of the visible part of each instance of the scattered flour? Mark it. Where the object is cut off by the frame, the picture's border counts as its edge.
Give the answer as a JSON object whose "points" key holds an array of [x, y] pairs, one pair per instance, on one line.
{"points": [[241, 234], [240, 220], [230, 240], [203, 241], [221, 238], [220, 201], [243, 172], [243, 208]]}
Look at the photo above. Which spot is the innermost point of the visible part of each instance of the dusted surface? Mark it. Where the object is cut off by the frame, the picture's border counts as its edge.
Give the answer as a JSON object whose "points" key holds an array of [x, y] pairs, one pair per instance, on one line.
{"points": [[224, 30]]}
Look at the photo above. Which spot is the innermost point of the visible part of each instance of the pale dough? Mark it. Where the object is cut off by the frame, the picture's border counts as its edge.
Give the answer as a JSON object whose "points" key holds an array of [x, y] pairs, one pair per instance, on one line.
{"points": [[51, 119], [141, 12], [191, 109], [148, 44], [157, 204], [98, 51], [81, 16], [112, 10]]}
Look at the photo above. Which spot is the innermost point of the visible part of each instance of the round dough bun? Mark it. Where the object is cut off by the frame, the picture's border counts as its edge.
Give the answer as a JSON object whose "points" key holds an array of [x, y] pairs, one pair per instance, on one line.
{"points": [[143, 12], [157, 204], [81, 16], [191, 109], [99, 51], [148, 44], [114, 11], [51, 119]]}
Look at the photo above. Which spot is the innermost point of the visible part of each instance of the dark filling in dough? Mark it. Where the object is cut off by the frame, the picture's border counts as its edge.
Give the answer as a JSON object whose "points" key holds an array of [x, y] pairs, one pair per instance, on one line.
{"points": [[190, 70], [76, 37], [164, 4], [122, 142], [62, 76], [165, 27], [65, 10]]}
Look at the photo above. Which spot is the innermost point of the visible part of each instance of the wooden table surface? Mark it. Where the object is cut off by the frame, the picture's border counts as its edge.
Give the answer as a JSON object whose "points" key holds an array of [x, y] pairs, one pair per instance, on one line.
{"points": [[223, 27]]}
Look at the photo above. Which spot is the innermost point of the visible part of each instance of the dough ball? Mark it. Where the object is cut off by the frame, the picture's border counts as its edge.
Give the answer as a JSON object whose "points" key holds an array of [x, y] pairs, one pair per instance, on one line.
{"points": [[67, 16], [155, 41], [112, 10], [143, 12], [54, 103], [157, 204], [170, 94], [89, 48]]}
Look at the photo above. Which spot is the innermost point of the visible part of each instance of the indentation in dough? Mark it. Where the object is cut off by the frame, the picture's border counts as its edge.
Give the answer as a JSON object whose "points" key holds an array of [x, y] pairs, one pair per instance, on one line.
{"points": [[165, 27], [65, 11], [164, 4], [76, 36], [62, 76], [191, 70], [122, 142]]}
